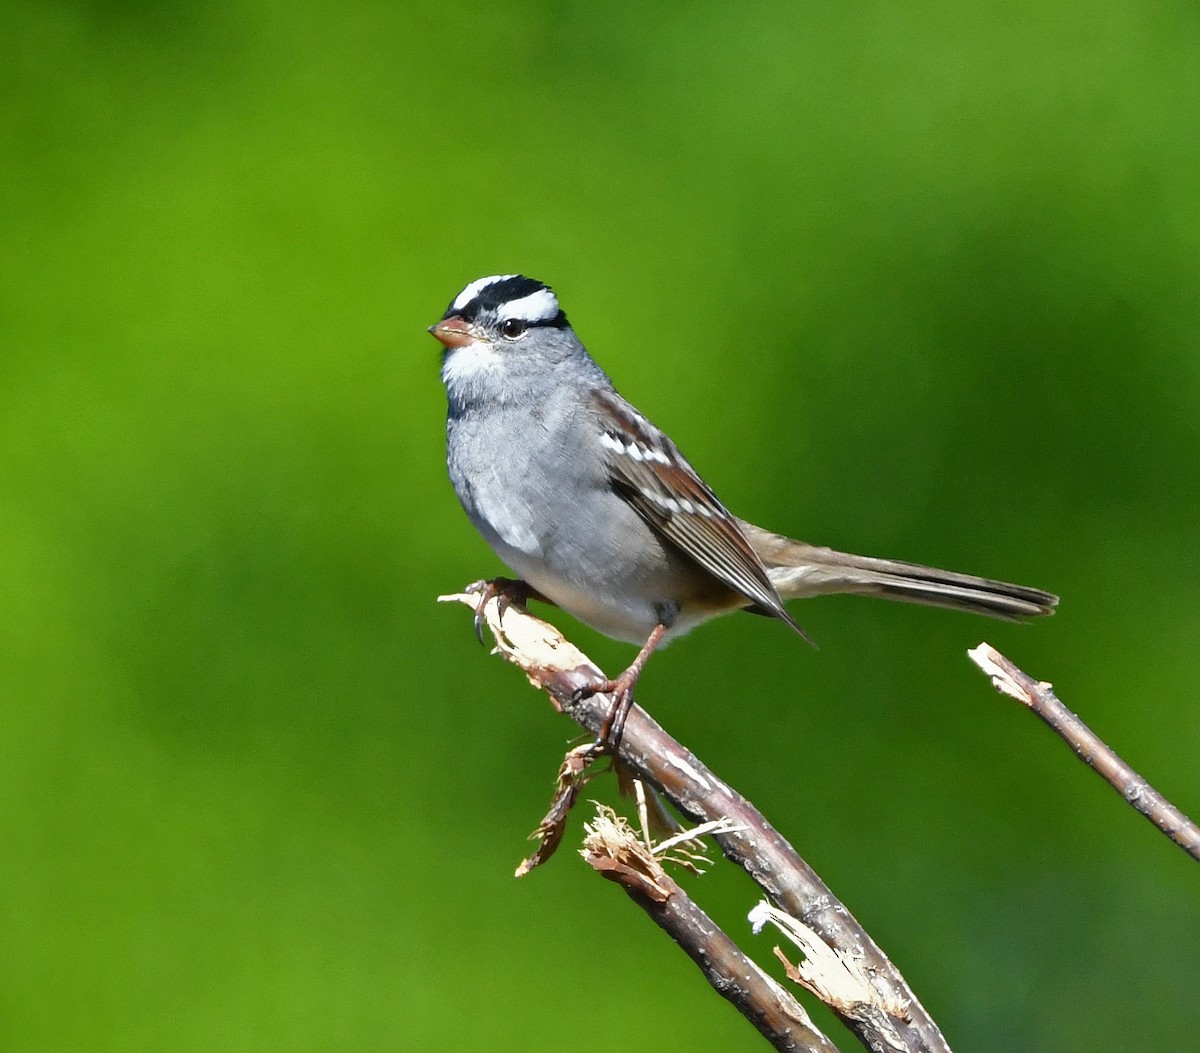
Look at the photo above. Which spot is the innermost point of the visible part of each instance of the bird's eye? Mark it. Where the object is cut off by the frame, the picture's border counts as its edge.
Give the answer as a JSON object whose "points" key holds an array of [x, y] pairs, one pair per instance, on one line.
{"points": [[512, 327]]}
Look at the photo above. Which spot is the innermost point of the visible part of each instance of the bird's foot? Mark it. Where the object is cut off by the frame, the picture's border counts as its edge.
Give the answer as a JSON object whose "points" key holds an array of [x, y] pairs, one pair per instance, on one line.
{"points": [[620, 692], [510, 592]]}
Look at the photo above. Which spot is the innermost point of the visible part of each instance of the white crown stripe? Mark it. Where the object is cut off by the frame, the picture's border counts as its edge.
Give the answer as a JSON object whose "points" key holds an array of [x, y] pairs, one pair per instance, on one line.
{"points": [[539, 306], [475, 288]]}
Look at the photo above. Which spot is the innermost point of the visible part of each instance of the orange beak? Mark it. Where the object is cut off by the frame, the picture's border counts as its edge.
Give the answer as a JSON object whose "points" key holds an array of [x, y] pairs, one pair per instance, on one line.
{"points": [[452, 332]]}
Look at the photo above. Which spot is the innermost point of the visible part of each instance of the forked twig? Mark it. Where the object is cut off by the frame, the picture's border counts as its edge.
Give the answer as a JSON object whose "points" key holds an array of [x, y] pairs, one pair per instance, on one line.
{"points": [[886, 1014]]}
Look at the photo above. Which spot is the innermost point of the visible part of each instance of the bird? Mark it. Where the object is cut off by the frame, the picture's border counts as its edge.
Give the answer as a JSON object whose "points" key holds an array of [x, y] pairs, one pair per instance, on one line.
{"points": [[595, 510]]}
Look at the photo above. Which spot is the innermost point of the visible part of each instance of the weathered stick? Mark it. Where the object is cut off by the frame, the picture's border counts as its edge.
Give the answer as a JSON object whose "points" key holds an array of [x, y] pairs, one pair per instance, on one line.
{"points": [[612, 848], [1039, 697], [888, 1017]]}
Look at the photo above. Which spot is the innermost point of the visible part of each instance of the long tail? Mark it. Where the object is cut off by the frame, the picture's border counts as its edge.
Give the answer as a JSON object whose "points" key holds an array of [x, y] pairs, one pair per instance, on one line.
{"points": [[800, 570]]}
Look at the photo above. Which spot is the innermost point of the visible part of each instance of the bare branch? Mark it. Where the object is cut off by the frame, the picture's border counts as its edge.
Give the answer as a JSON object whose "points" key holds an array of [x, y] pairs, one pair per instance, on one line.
{"points": [[1039, 696], [896, 1021], [615, 852]]}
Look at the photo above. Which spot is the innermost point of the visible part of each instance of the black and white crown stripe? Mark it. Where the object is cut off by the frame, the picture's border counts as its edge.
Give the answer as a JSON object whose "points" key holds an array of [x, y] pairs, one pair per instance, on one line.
{"points": [[508, 296], [460, 302]]}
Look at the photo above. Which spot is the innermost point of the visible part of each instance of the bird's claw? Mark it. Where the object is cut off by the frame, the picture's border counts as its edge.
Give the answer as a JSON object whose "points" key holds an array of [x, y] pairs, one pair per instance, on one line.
{"points": [[613, 725], [507, 592]]}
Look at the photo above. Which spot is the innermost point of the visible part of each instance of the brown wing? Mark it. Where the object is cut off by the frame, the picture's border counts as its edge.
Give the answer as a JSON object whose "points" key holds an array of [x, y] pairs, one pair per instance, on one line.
{"points": [[652, 475]]}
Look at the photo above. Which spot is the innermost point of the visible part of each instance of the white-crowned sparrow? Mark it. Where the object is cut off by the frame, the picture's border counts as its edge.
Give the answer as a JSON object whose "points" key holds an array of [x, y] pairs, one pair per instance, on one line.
{"points": [[595, 508]]}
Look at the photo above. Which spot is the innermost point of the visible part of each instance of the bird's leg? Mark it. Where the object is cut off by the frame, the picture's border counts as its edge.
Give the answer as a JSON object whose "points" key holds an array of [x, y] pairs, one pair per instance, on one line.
{"points": [[621, 690], [510, 591]]}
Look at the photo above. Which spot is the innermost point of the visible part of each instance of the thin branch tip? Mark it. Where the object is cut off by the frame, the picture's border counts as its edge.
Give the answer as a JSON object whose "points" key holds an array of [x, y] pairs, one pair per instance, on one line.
{"points": [[1039, 697]]}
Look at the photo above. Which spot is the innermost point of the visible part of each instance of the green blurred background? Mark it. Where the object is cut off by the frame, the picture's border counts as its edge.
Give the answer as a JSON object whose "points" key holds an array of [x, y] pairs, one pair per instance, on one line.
{"points": [[917, 282]]}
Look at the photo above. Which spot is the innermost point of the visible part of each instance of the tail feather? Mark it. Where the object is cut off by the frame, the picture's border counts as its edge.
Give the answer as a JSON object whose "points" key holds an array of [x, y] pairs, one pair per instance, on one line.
{"points": [[800, 570]]}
